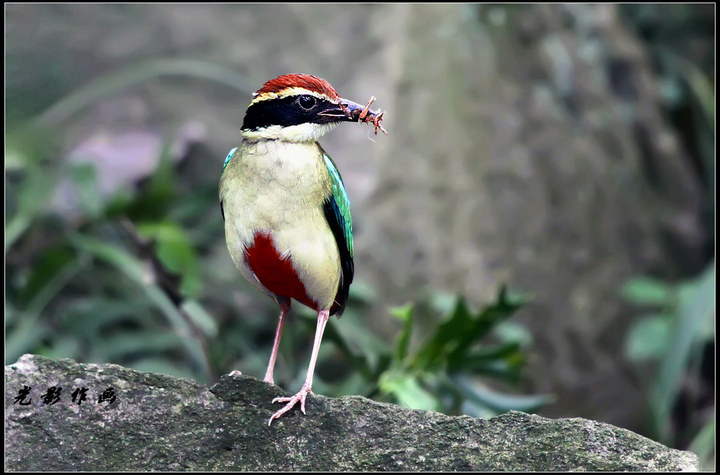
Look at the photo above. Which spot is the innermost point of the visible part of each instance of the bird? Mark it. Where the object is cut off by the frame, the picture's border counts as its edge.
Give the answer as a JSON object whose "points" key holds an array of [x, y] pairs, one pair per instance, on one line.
{"points": [[288, 226]]}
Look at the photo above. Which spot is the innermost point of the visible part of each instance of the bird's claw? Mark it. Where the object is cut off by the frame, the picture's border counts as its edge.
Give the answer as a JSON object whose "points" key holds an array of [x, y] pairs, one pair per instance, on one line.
{"points": [[291, 401]]}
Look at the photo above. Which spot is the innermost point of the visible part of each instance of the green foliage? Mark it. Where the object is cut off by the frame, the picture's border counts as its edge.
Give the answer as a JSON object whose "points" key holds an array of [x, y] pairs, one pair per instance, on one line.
{"points": [[680, 39], [76, 290], [174, 249], [673, 337], [446, 370], [116, 277]]}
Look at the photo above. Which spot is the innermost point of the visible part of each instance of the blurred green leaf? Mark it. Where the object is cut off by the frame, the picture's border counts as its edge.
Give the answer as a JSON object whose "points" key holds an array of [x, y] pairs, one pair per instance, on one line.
{"points": [[157, 196], [175, 251], [46, 268], [696, 307], [501, 402], [362, 292], [502, 362], [84, 177], [442, 302], [61, 347], [482, 323], [23, 338], [407, 390], [703, 445], [29, 329], [365, 351], [28, 145], [33, 193], [696, 304], [674, 339], [512, 332], [122, 344], [648, 338], [427, 377], [404, 314], [200, 317], [134, 270], [89, 315], [450, 335], [699, 85], [646, 291]]}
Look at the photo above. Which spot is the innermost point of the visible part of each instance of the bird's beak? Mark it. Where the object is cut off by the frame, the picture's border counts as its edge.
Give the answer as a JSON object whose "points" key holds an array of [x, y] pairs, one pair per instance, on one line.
{"points": [[351, 111], [344, 110]]}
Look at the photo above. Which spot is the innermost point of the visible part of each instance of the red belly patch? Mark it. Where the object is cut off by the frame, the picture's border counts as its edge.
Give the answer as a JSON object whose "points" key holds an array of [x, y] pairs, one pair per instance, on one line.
{"points": [[275, 273]]}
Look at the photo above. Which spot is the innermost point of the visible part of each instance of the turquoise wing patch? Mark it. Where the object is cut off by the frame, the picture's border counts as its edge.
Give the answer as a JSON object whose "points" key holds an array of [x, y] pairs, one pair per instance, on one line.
{"points": [[337, 212], [229, 156], [342, 202]]}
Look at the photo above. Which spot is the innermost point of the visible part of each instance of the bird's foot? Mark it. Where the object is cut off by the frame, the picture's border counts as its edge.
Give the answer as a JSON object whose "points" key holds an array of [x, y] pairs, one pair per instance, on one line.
{"points": [[291, 401]]}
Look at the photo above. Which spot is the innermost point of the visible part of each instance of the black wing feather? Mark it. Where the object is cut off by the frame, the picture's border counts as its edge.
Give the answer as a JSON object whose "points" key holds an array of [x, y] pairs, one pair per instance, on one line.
{"points": [[337, 226]]}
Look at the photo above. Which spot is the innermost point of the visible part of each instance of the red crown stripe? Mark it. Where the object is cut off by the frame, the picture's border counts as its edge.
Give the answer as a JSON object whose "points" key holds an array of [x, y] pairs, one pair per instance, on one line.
{"points": [[304, 81]]}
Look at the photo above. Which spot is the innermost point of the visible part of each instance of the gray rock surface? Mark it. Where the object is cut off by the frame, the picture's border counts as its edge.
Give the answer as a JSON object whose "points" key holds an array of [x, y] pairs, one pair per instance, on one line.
{"points": [[158, 422]]}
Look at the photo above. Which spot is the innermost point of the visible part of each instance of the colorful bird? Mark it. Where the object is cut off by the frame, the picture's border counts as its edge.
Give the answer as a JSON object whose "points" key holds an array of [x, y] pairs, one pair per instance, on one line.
{"points": [[287, 214]]}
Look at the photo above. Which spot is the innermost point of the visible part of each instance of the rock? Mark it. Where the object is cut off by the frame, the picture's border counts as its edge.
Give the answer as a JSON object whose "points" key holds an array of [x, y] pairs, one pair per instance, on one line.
{"points": [[158, 422]]}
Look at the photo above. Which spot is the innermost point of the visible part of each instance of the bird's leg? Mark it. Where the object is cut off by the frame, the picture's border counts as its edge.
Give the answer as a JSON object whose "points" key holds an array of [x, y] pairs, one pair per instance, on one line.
{"points": [[323, 316], [284, 309]]}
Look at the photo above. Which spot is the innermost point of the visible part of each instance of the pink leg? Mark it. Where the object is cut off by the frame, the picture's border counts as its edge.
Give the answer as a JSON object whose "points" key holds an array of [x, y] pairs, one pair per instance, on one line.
{"points": [[284, 309], [323, 316]]}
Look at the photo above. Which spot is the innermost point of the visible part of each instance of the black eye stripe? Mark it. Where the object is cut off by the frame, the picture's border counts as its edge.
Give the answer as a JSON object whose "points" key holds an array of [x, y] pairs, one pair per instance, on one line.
{"points": [[286, 111]]}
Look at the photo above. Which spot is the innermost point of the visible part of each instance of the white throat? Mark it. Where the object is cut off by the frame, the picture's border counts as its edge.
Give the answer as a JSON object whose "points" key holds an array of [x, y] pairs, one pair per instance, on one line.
{"points": [[307, 132]]}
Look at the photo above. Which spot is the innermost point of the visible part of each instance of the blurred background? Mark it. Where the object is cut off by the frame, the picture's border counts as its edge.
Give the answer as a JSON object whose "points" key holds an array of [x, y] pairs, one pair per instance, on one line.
{"points": [[536, 232]]}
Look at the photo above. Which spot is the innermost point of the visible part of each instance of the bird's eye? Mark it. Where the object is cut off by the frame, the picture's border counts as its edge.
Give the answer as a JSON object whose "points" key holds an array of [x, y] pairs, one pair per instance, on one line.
{"points": [[306, 102]]}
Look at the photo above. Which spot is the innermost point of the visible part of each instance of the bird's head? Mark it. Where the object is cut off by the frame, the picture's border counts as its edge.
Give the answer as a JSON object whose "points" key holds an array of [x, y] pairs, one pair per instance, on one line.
{"points": [[301, 108]]}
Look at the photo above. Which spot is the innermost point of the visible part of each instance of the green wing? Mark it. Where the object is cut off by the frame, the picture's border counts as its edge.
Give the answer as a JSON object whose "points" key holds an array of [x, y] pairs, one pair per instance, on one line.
{"points": [[337, 213]]}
